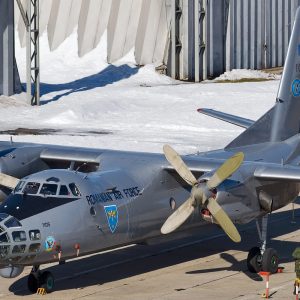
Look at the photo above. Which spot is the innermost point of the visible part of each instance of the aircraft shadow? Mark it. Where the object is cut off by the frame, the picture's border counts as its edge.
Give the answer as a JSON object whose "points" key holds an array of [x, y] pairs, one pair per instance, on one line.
{"points": [[136, 260], [109, 75], [236, 266]]}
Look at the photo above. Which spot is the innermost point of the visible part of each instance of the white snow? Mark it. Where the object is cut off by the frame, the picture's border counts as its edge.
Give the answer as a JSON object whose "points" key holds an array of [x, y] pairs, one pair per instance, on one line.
{"points": [[239, 74], [141, 109]]}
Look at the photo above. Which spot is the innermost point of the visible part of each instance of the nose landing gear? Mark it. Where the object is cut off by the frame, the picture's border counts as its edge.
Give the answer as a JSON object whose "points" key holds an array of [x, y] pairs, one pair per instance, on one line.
{"points": [[38, 279], [262, 259]]}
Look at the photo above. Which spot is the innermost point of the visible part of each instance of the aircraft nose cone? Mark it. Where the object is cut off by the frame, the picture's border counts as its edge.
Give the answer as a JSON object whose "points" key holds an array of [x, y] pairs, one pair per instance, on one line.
{"points": [[10, 228]]}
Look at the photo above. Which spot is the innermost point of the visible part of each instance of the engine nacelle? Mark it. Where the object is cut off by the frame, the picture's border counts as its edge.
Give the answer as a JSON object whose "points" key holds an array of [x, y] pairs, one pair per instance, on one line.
{"points": [[11, 271]]}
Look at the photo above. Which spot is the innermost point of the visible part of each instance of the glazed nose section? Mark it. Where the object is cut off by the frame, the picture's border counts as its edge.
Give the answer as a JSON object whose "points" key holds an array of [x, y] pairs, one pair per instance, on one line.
{"points": [[4, 238], [16, 242]]}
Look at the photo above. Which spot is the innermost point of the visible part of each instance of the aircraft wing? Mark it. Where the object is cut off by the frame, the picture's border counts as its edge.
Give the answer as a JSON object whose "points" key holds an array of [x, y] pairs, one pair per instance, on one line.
{"points": [[197, 166], [289, 173], [76, 158], [239, 121], [77, 155]]}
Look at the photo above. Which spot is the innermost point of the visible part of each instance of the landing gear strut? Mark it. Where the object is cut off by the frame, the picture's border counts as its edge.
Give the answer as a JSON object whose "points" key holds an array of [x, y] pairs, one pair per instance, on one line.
{"points": [[38, 279], [262, 258]]}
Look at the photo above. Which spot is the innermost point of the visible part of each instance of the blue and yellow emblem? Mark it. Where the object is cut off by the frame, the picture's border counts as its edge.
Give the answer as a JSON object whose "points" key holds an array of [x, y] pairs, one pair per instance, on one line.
{"points": [[111, 212], [50, 243]]}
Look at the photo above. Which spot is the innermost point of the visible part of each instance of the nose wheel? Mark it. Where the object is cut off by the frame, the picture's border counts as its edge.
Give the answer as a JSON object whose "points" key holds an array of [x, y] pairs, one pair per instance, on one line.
{"points": [[262, 258], [38, 279]]}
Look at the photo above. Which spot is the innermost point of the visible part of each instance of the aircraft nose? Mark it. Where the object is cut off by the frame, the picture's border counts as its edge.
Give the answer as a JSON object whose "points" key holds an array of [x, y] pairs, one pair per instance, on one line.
{"points": [[16, 242]]}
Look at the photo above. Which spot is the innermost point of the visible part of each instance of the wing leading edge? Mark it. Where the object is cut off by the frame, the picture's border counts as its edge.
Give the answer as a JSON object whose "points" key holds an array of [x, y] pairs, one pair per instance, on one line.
{"points": [[279, 172], [235, 120]]}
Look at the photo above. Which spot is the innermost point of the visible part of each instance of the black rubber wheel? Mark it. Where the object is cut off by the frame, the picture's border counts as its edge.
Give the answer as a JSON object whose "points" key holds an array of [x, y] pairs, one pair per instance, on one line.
{"points": [[253, 260], [270, 261], [32, 283], [47, 281]]}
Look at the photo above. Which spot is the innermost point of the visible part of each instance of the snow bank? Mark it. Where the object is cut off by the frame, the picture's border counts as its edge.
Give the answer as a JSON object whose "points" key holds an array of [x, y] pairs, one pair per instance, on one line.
{"points": [[139, 108], [240, 74]]}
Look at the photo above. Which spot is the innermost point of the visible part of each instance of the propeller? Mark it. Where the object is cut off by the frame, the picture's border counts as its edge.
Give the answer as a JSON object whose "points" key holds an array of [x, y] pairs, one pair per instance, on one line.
{"points": [[8, 181], [201, 193]]}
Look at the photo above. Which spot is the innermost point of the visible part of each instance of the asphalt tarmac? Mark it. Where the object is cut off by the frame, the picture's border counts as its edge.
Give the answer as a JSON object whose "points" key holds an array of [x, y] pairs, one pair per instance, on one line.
{"points": [[203, 265]]}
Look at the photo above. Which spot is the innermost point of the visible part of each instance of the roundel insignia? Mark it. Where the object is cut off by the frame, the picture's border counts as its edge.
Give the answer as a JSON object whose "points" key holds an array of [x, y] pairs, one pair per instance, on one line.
{"points": [[296, 88]]}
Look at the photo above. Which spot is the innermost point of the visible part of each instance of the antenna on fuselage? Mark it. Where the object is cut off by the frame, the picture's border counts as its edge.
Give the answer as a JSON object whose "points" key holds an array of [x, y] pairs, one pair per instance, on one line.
{"points": [[72, 165], [84, 164]]}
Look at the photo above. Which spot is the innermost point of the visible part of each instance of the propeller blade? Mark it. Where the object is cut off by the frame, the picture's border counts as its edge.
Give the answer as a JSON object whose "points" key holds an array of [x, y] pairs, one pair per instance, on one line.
{"points": [[226, 170], [176, 161], [8, 181], [179, 216], [223, 219]]}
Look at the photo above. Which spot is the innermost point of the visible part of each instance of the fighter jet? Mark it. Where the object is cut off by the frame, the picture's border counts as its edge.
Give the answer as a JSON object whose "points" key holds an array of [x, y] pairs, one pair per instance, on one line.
{"points": [[72, 202]]}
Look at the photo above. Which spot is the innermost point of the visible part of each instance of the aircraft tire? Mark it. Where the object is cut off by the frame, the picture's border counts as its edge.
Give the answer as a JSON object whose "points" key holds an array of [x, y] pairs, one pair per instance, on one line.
{"points": [[270, 261], [32, 283], [47, 281], [253, 260]]}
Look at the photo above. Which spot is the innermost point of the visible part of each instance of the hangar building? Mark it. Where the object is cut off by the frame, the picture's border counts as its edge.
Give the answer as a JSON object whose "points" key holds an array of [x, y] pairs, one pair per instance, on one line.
{"points": [[190, 39]]}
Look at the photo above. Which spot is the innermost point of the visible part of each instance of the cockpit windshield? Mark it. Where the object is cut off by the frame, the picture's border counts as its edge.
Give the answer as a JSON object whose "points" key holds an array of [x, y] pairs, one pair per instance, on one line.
{"points": [[19, 186], [64, 191], [48, 189], [74, 189], [31, 188]]}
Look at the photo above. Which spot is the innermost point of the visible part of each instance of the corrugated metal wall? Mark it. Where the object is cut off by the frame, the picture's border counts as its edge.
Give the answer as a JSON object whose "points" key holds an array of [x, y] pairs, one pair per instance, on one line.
{"points": [[278, 23], [212, 36], [258, 32], [245, 36], [237, 34], [9, 77]]}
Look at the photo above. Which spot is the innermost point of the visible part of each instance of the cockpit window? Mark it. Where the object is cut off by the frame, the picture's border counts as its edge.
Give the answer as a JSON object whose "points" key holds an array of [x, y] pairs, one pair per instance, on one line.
{"points": [[74, 189], [3, 216], [12, 222], [19, 186], [64, 191], [49, 189], [31, 188], [54, 179], [4, 238], [19, 236]]}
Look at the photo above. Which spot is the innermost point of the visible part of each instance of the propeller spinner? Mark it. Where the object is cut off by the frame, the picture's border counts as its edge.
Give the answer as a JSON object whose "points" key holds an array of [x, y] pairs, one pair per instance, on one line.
{"points": [[202, 194]]}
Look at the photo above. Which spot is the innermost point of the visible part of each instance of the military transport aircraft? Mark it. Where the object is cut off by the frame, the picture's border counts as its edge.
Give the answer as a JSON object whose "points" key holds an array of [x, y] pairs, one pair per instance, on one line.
{"points": [[117, 198]]}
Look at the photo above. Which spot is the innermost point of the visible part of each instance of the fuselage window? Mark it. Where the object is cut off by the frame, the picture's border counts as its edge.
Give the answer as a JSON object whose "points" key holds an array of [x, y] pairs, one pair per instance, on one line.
{"points": [[49, 189], [74, 189], [31, 188], [19, 187], [64, 191]]}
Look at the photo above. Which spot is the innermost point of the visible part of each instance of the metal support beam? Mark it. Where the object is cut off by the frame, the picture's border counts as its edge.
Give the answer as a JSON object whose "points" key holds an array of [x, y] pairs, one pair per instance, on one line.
{"points": [[33, 53], [31, 20], [9, 77], [203, 44], [175, 38], [196, 40]]}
